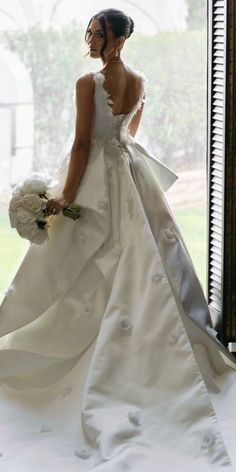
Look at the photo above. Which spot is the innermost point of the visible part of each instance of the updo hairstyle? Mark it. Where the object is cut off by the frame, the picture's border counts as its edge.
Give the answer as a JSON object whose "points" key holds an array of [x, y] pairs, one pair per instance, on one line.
{"points": [[120, 24]]}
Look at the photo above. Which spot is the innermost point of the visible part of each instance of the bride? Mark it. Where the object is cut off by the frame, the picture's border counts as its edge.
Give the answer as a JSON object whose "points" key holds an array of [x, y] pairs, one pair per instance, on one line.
{"points": [[109, 360]]}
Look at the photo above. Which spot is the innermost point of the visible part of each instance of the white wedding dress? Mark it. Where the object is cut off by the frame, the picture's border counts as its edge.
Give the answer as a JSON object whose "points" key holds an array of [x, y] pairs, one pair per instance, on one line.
{"points": [[108, 357]]}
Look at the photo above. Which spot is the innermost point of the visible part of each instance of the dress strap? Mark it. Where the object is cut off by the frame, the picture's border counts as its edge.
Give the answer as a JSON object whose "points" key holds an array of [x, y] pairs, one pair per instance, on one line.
{"points": [[142, 97], [98, 78], [144, 87]]}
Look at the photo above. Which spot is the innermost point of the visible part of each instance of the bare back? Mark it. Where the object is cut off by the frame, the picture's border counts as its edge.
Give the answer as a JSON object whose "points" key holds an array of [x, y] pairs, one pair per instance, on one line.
{"points": [[124, 87]]}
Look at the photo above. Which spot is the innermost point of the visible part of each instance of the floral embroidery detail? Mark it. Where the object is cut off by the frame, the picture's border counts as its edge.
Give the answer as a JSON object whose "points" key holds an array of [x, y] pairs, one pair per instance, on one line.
{"points": [[67, 390], [83, 453], [82, 312], [134, 417], [172, 338], [121, 120], [115, 148], [102, 204], [45, 429], [99, 78], [75, 311], [157, 277], [169, 235], [208, 442], [125, 326], [9, 290], [145, 86]]}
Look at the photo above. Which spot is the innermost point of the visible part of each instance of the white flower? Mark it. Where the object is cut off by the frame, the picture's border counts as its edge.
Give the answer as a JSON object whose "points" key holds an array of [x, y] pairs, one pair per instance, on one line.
{"points": [[13, 219], [15, 202], [157, 277], [172, 338], [36, 183], [25, 216], [9, 290], [16, 192], [208, 442], [169, 235], [67, 390], [125, 326], [83, 453], [134, 417], [27, 207], [102, 204], [27, 231], [33, 202]]}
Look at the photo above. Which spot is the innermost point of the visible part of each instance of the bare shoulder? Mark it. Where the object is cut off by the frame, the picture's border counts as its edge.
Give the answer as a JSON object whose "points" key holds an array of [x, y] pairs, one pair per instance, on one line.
{"points": [[85, 82], [133, 72], [137, 77]]}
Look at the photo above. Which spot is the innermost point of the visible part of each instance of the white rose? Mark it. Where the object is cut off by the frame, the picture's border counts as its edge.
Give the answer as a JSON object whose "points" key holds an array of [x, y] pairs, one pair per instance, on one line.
{"points": [[13, 219], [25, 216], [15, 202], [27, 231], [16, 192], [33, 186], [33, 202], [35, 183]]}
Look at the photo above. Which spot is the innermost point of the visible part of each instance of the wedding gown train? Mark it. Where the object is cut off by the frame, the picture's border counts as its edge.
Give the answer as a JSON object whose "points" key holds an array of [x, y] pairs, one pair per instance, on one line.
{"points": [[108, 357]]}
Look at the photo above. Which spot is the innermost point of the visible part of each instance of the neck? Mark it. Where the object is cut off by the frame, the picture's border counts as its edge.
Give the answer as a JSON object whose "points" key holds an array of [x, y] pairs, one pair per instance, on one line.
{"points": [[113, 59]]}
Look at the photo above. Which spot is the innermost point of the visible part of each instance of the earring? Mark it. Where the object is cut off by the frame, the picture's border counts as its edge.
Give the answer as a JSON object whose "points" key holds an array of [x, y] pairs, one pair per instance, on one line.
{"points": [[116, 53]]}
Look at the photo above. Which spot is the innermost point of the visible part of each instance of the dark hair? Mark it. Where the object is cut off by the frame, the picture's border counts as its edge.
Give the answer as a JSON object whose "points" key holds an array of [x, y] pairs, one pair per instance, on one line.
{"points": [[120, 23]]}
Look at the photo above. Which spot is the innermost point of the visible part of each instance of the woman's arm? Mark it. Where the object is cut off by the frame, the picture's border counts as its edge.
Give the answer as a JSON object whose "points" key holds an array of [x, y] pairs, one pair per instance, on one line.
{"points": [[81, 145], [83, 135]]}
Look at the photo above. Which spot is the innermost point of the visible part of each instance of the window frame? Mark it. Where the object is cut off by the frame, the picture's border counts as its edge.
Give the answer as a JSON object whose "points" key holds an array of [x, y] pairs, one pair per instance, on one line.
{"points": [[221, 168]]}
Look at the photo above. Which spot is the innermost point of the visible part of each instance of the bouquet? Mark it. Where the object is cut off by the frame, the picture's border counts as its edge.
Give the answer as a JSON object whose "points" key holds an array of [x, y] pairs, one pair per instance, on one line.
{"points": [[27, 208]]}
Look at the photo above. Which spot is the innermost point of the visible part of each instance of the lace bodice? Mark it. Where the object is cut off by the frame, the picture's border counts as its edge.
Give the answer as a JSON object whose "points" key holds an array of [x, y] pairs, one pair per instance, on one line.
{"points": [[108, 125]]}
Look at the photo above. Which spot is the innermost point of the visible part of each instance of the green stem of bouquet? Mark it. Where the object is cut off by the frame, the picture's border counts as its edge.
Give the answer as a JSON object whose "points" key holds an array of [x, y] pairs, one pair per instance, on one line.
{"points": [[72, 211]]}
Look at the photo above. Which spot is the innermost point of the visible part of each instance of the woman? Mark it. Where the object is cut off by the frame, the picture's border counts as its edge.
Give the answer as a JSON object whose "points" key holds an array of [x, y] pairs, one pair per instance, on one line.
{"points": [[106, 335]]}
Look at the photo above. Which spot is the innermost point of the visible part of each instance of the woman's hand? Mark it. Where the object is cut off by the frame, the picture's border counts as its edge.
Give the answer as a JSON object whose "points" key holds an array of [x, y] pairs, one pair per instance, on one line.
{"points": [[56, 205]]}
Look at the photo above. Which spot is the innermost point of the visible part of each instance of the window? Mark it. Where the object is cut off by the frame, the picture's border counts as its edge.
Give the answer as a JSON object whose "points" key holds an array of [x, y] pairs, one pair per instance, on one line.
{"points": [[221, 168]]}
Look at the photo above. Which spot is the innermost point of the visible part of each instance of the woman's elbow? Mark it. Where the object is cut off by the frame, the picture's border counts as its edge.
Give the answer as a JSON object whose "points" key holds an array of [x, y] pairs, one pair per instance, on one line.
{"points": [[81, 144]]}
